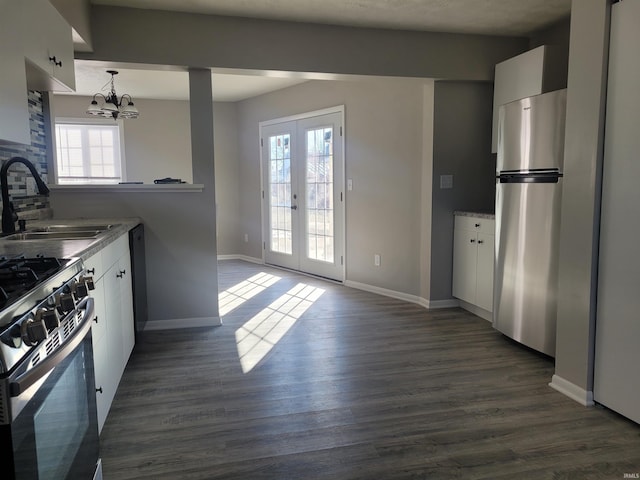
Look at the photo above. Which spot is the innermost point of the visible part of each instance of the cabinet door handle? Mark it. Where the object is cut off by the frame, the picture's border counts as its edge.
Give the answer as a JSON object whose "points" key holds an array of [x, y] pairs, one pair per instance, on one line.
{"points": [[91, 271], [96, 319], [122, 272], [473, 240], [99, 390], [480, 241], [119, 275], [55, 61], [477, 225]]}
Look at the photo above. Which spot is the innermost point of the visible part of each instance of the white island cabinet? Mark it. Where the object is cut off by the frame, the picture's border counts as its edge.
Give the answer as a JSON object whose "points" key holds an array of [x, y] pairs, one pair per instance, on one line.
{"points": [[113, 329], [473, 259]]}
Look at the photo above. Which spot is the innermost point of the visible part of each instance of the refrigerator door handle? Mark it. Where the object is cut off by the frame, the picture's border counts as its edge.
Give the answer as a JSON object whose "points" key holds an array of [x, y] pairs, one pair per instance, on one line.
{"points": [[530, 177]]}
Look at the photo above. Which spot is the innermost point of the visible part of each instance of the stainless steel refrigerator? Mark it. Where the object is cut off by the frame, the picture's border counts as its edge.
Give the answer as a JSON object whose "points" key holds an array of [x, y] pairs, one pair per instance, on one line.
{"points": [[528, 196]]}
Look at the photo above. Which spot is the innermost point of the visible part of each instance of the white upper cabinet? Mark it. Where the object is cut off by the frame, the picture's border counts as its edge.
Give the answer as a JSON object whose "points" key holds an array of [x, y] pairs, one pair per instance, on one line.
{"points": [[534, 72], [47, 47], [32, 33], [14, 112]]}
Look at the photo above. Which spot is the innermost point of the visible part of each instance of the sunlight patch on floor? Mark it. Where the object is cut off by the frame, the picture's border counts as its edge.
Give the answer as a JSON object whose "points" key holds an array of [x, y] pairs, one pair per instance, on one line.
{"points": [[260, 334], [235, 296]]}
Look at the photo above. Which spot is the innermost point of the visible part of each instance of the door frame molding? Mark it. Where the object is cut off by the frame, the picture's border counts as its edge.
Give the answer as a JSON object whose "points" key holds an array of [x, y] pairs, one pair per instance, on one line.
{"points": [[340, 109]]}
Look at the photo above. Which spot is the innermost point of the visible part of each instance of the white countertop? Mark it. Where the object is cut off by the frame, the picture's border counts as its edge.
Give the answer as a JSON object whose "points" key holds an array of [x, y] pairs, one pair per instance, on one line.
{"points": [[82, 248], [463, 213]]}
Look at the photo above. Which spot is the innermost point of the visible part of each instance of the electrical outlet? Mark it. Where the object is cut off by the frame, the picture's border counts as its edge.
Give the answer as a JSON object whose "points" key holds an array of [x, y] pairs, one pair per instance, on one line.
{"points": [[446, 181], [376, 260], [246, 238]]}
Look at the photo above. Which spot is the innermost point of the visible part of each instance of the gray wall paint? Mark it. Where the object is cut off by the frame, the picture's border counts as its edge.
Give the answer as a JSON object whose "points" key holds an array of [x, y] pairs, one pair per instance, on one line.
{"points": [[383, 125], [581, 191], [426, 193], [157, 144], [225, 132], [78, 14], [183, 39], [462, 148], [182, 278]]}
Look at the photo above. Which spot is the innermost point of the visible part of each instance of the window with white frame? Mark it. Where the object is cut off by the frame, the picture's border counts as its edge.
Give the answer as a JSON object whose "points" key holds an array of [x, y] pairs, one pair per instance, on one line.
{"points": [[88, 152]]}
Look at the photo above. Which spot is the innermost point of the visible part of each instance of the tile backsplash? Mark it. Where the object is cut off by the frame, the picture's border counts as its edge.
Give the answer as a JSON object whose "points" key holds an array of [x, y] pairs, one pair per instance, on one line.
{"points": [[27, 204]]}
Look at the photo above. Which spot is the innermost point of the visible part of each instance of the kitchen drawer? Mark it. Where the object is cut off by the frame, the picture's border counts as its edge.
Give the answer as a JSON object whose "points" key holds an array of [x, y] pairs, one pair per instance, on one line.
{"points": [[112, 252], [475, 224], [93, 266]]}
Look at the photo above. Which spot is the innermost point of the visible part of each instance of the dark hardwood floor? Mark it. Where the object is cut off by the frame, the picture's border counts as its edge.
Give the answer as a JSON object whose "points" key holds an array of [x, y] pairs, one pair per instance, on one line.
{"points": [[345, 384]]}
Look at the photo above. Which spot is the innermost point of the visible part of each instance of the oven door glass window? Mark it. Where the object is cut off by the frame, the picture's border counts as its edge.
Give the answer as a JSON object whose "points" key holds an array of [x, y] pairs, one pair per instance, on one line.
{"points": [[56, 436]]}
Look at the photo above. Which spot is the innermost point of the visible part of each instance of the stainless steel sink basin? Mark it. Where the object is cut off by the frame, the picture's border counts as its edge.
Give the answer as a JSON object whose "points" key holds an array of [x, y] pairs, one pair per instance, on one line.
{"points": [[74, 228], [77, 235]]}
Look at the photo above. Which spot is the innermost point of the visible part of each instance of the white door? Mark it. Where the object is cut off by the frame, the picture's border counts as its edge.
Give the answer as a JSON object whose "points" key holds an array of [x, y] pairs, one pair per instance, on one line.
{"points": [[303, 178], [617, 356]]}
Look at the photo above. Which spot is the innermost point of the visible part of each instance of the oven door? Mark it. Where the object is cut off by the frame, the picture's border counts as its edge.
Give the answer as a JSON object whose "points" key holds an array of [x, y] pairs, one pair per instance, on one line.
{"points": [[55, 435]]}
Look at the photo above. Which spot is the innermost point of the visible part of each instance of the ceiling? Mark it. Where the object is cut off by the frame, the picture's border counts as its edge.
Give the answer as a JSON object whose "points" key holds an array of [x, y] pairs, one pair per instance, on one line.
{"points": [[92, 77], [487, 17]]}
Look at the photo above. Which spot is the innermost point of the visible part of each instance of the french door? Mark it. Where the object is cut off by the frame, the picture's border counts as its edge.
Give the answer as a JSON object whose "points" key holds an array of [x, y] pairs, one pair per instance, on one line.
{"points": [[303, 178]]}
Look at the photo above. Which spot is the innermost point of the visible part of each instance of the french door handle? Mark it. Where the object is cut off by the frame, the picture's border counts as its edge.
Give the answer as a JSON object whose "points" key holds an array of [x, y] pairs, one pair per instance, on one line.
{"points": [[294, 207]]}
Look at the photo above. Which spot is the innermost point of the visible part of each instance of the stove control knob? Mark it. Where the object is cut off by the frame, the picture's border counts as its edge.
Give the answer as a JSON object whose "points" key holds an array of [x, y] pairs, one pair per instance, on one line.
{"points": [[65, 303], [82, 290], [49, 317], [33, 331], [88, 281]]}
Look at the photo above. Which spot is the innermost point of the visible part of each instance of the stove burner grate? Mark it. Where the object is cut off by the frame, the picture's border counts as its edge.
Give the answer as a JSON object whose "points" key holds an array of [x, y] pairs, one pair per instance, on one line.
{"points": [[18, 275]]}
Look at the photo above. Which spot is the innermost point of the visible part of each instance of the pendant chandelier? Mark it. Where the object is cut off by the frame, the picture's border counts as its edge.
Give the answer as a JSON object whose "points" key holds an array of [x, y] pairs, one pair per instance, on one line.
{"points": [[112, 107]]}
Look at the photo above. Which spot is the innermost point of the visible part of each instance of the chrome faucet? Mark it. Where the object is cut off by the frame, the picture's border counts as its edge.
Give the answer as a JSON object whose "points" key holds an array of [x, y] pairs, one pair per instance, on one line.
{"points": [[9, 215]]}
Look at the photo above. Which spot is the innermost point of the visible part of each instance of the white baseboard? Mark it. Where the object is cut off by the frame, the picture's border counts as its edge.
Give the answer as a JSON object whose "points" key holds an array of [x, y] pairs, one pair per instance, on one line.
{"points": [[183, 323], [572, 391], [480, 312], [241, 257], [428, 304]]}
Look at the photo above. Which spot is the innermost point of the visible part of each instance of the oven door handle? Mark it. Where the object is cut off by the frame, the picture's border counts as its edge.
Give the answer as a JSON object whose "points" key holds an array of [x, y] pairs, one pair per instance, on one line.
{"points": [[24, 381]]}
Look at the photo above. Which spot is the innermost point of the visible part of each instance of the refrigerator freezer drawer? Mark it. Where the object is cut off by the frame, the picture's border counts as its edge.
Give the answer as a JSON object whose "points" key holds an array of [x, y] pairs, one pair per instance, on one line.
{"points": [[526, 274]]}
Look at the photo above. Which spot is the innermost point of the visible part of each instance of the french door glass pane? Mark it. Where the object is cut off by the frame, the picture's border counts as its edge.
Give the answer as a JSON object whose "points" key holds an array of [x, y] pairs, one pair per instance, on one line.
{"points": [[280, 193], [319, 189]]}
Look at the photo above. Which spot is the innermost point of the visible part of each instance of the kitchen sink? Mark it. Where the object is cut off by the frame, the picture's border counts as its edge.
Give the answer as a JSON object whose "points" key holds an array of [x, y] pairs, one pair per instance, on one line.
{"points": [[74, 228], [73, 235]]}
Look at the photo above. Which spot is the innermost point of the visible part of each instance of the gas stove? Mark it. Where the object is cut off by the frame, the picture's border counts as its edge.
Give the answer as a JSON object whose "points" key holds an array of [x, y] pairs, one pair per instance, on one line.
{"points": [[35, 295]]}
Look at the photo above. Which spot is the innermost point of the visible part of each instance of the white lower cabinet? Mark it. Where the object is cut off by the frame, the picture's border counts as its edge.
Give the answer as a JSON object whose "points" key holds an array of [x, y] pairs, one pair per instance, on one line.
{"points": [[113, 329], [473, 260]]}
